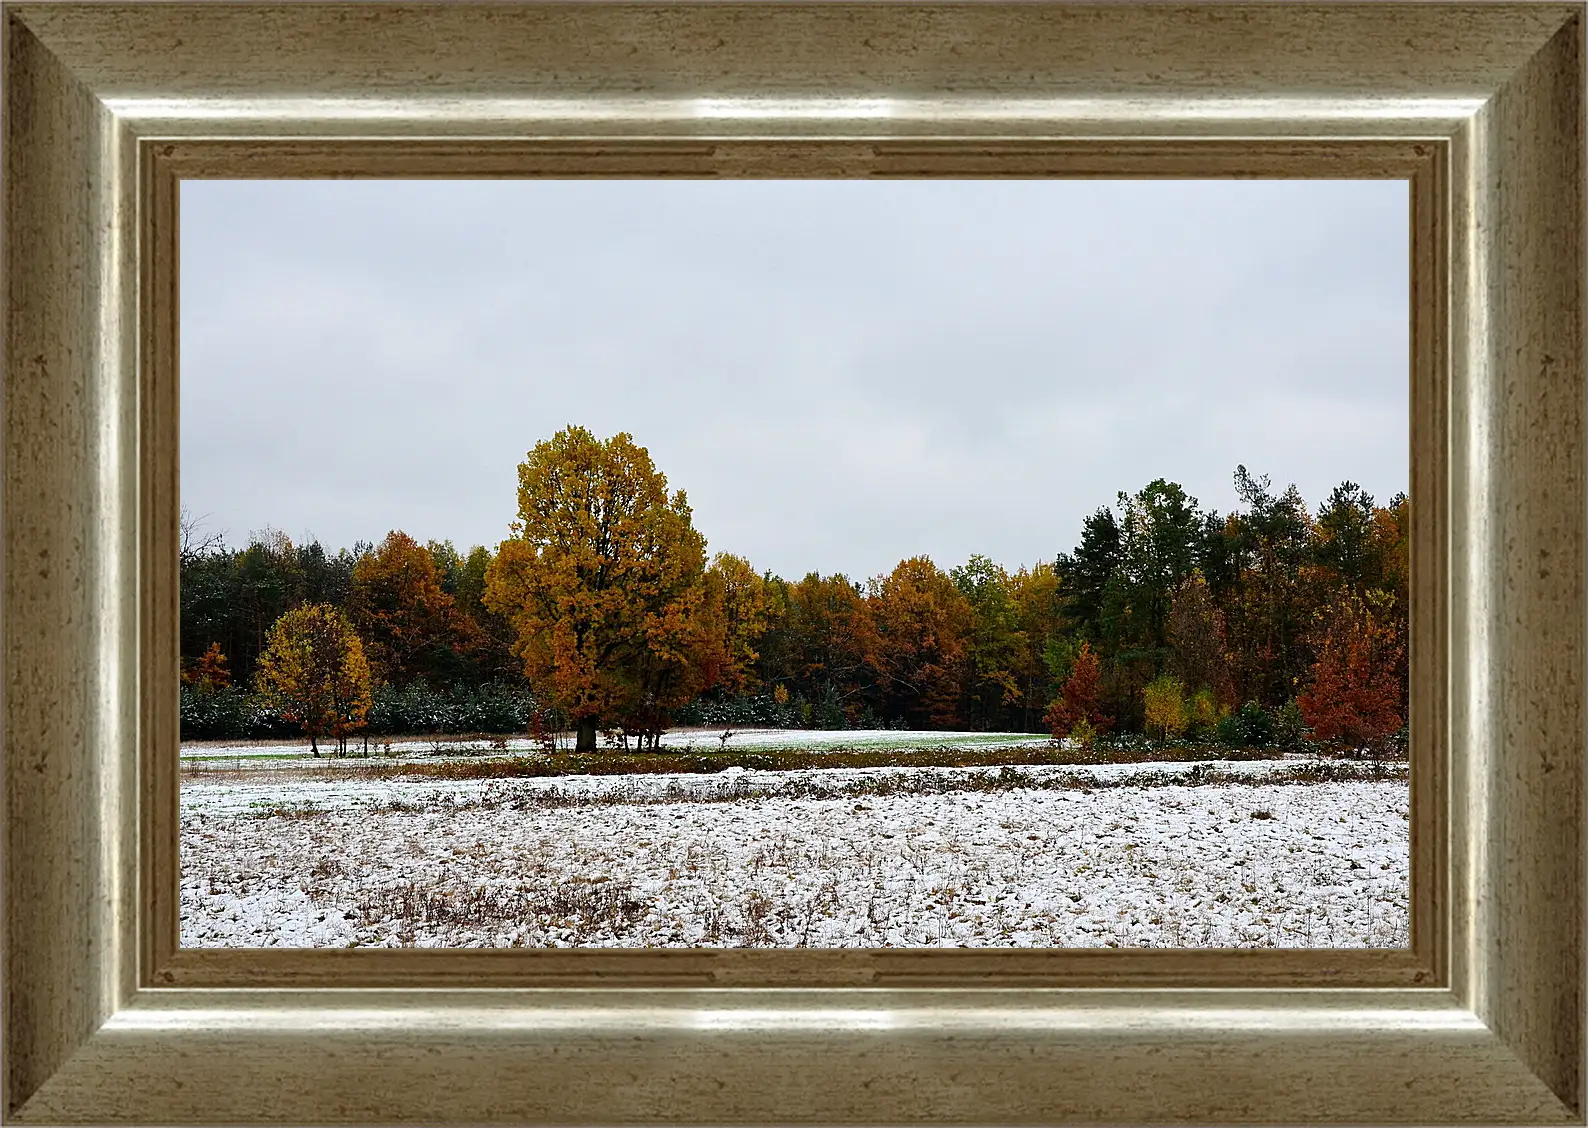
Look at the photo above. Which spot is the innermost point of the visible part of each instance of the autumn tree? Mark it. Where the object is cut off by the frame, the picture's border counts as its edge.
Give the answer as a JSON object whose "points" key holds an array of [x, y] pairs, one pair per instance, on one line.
{"points": [[817, 645], [1041, 633], [736, 599], [995, 642], [1077, 703], [1353, 699], [920, 631], [1391, 546], [401, 611], [233, 597], [209, 671], [603, 581], [1165, 710], [1197, 640], [313, 673]]}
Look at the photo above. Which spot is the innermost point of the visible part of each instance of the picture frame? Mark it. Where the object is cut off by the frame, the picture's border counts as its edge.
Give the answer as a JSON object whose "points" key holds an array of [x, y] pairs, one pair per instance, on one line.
{"points": [[107, 107]]}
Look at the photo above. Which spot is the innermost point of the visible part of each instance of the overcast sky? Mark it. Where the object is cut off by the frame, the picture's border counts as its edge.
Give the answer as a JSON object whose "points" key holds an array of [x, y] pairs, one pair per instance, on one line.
{"points": [[840, 374]]}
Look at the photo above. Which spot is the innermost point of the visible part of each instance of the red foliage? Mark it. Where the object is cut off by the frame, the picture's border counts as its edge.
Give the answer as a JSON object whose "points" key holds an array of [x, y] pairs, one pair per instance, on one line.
{"points": [[1078, 700], [1354, 699]]}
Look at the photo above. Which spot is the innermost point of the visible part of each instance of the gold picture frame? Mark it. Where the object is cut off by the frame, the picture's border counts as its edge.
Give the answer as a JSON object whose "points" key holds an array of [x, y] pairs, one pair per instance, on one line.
{"points": [[1480, 107]]}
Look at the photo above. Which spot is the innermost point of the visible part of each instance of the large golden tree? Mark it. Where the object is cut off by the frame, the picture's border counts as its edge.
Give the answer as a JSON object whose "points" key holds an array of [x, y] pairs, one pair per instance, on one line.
{"points": [[604, 583]]}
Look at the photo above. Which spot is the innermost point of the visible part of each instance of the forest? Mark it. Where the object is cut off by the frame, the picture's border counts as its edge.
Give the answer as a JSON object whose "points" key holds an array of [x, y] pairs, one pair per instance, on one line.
{"points": [[1274, 624]]}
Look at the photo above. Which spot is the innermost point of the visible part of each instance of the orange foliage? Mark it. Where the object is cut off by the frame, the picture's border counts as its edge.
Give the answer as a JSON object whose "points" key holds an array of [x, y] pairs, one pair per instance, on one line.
{"points": [[1354, 699], [399, 608], [604, 583], [209, 670], [917, 642]]}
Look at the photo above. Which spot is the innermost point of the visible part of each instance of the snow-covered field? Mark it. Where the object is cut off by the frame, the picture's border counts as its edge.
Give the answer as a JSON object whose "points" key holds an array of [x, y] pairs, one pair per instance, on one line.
{"points": [[1183, 855]]}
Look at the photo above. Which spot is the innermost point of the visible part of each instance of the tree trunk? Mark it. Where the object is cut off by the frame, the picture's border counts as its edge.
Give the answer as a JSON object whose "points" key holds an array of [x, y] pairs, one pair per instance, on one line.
{"points": [[314, 744], [586, 741]]}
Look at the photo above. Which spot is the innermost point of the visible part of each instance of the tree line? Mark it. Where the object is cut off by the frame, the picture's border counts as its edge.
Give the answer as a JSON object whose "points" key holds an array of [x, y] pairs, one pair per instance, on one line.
{"points": [[602, 611]]}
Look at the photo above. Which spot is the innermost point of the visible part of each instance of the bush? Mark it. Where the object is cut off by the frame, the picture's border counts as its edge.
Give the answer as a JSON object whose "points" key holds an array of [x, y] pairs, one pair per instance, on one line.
{"points": [[751, 711], [1249, 727], [229, 713], [419, 708], [1290, 731]]}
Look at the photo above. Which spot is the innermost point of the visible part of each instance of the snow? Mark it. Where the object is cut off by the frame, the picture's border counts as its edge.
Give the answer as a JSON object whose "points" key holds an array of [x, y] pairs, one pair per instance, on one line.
{"points": [[1181, 855]]}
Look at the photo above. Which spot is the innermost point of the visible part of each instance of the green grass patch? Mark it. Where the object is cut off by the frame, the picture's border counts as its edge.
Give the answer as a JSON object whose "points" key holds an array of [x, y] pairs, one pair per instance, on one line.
{"points": [[243, 757]]}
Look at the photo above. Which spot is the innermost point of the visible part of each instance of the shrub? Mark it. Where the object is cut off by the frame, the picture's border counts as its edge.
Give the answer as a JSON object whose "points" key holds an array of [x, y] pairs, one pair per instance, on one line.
{"points": [[229, 713], [1205, 713], [419, 708], [1164, 709], [1251, 726], [1290, 730], [213, 714], [749, 711]]}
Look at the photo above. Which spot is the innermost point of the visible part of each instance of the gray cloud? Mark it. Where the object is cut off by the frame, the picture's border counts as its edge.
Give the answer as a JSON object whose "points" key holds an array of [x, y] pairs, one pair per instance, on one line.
{"points": [[839, 373]]}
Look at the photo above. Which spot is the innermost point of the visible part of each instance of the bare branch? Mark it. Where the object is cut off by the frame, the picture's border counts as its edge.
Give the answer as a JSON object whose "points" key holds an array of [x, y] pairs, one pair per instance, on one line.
{"points": [[195, 543]]}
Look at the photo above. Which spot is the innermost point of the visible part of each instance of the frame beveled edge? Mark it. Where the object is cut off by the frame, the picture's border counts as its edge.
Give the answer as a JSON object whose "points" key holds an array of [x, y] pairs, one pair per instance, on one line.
{"points": [[83, 1043], [166, 163]]}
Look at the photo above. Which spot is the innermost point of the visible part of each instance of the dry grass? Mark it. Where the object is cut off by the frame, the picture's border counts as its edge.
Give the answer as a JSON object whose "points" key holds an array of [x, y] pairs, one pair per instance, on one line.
{"points": [[775, 760]]}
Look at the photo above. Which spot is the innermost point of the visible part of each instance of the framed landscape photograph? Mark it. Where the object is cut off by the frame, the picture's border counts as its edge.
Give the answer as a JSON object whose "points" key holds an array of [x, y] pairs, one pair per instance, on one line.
{"points": [[652, 646], [825, 563]]}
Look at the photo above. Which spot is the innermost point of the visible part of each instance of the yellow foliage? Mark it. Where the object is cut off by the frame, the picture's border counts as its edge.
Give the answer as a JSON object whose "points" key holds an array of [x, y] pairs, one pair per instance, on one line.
{"points": [[604, 584], [1205, 711], [313, 672], [1164, 707], [736, 596]]}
